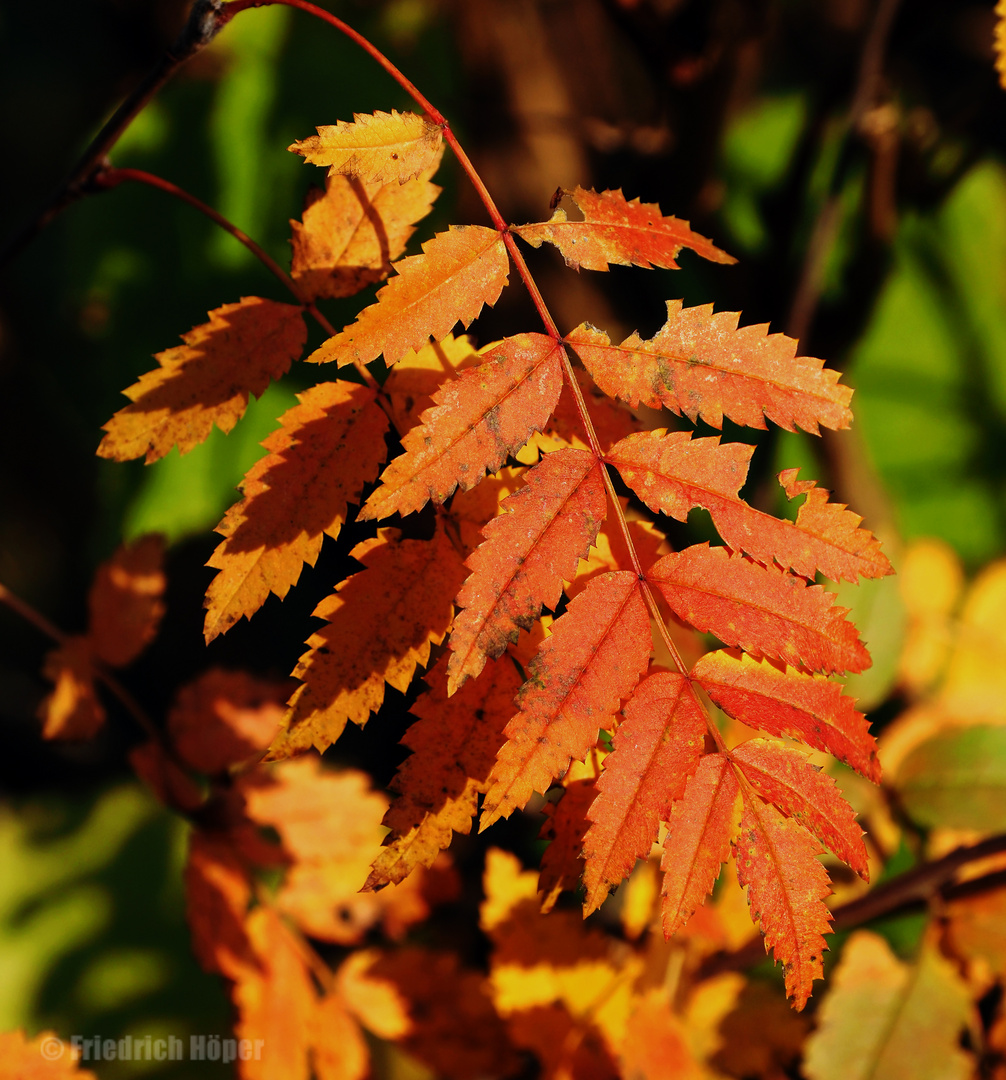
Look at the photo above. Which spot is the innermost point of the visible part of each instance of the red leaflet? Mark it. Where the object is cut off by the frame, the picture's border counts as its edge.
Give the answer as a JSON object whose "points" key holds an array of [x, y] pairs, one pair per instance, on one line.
{"points": [[701, 825], [656, 748], [454, 744], [616, 231], [672, 472], [480, 417], [597, 653], [526, 555], [759, 608], [807, 707], [783, 776], [702, 365], [565, 824], [777, 861]]}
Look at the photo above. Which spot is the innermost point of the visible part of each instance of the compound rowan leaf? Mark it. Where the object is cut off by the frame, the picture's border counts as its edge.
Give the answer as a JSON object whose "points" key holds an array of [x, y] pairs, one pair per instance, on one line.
{"points": [[454, 744], [596, 654], [615, 231], [381, 623], [458, 272], [352, 232], [566, 822], [759, 608], [126, 601], [378, 148], [671, 473], [883, 1018], [207, 380], [791, 703], [326, 449], [22, 1058], [777, 862], [702, 365], [548, 526], [479, 418], [700, 827], [783, 776], [655, 749]]}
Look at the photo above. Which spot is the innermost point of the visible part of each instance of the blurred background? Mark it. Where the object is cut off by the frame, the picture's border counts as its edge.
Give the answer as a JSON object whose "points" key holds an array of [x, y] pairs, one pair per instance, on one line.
{"points": [[850, 153]]}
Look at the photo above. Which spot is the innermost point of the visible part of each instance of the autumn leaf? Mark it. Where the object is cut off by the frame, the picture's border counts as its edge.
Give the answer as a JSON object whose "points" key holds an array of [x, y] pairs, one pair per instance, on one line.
{"points": [[414, 380], [655, 749], [217, 894], [791, 703], [700, 827], [224, 717], [783, 776], [883, 1018], [454, 744], [479, 418], [381, 623], [566, 822], [378, 148], [352, 232], [703, 366], [207, 380], [616, 231], [786, 885], [458, 272], [547, 527], [72, 710], [327, 448], [759, 609], [671, 473], [126, 601], [596, 654], [656, 1044]]}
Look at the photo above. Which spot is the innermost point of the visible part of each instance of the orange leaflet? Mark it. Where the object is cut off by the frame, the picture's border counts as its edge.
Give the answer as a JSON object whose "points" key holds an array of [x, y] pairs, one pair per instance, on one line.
{"points": [[777, 861], [783, 776], [72, 710], [414, 380], [671, 473], [327, 448], [379, 148], [217, 894], [207, 380], [548, 526], [759, 608], [656, 1043], [381, 623], [807, 707], [22, 1058], [454, 744], [700, 827], [480, 417], [224, 717], [702, 365], [596, 654], [126, 601], [457, 273], [564, 828], [656, 748], [616, 231], [352, 231]]}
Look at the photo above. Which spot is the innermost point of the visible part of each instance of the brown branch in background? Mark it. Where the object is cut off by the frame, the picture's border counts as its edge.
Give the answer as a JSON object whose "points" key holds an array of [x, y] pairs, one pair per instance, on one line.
{"points": [[829, 218], [914, 889], [40, 622], [205, 20]]}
